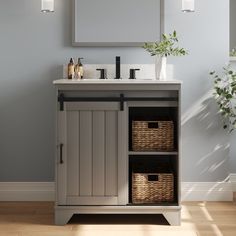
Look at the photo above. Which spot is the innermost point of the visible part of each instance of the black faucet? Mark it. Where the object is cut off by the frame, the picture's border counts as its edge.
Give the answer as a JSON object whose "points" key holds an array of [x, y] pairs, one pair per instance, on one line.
{"points": [[132, 73], [117, 68], [103, 73]]}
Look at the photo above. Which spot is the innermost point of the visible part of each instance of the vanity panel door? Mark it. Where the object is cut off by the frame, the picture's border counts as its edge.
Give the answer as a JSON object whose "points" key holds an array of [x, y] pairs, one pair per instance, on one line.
{"points": [[94, 165]]}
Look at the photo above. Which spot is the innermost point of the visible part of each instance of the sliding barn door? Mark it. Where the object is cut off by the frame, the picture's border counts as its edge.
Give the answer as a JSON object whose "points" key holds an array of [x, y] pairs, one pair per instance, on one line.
{"points": [[92, 151]]}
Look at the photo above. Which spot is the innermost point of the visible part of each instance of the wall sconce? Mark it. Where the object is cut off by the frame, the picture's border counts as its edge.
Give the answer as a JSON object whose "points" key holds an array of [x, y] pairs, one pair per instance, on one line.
{"points": [[188, 5], [47, 5]]}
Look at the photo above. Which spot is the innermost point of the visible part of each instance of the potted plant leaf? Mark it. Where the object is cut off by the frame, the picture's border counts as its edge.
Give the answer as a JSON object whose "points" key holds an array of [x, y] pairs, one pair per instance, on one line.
{"points": [[232, 53], [161, 50], [225, 95]]}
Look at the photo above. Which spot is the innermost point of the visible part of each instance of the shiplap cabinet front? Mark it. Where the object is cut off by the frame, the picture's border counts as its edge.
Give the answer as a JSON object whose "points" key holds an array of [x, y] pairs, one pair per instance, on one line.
{"points": [[92, 154]]}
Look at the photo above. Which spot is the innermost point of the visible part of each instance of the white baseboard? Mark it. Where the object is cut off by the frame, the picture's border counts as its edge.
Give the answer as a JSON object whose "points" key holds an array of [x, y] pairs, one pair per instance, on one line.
{"points": [[27, 191], [206, 191], [232, 180], [190, 191]]}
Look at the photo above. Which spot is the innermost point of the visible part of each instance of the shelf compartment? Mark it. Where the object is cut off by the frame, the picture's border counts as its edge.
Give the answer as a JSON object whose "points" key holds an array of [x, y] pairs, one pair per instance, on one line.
{"points": [[153, 165], [152, 139], [152, 135], [152, 187], [153, 153]]}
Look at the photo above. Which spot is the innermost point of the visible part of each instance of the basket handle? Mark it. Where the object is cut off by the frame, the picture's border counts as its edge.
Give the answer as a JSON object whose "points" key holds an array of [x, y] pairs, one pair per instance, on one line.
{"points": [[153, 178], [153, 124]]}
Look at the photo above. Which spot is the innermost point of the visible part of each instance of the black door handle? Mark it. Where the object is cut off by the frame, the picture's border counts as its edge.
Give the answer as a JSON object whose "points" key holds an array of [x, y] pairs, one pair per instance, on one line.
{"points": [[61, 149]]}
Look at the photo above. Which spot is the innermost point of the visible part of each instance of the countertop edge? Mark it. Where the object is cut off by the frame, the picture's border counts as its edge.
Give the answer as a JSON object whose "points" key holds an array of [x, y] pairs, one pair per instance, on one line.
{"points": [[113, 82]]}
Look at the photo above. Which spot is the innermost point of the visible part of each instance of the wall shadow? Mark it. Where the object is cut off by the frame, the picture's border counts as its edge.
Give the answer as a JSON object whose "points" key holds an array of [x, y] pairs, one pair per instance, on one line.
{"points": [[205, 144]]}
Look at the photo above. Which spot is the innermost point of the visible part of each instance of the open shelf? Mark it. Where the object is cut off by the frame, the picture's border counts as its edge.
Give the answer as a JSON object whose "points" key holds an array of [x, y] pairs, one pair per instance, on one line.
{"points": [[154, 164], [154, 114], [152, 153]]}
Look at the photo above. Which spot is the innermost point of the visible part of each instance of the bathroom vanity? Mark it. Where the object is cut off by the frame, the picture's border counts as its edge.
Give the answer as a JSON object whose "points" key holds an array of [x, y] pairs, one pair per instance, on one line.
{"points": [[95, 159]]}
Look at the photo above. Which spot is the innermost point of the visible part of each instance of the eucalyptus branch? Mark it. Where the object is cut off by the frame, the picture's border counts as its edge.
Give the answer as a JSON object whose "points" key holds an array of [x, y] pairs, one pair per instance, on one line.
{"points": [[225, 95], [166, 47], [232, 53]]}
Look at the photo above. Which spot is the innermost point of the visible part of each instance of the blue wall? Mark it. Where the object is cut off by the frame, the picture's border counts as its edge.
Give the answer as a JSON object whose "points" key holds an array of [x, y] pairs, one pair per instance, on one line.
{"points": [[33, 46]]}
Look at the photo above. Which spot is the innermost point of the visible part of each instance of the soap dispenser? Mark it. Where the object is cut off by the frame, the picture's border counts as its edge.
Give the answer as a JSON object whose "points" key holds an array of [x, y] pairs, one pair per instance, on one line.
{"points": [[80, 67], [77, 71], [71, 69]]}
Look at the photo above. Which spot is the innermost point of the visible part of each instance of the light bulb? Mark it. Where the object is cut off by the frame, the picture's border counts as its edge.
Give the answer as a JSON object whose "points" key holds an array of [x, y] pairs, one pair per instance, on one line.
{"points": [[188, 5], [47, 5]]}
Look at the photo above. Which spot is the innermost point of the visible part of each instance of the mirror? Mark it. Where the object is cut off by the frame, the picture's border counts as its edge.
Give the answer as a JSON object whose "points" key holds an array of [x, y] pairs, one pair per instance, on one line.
{"points": [[116, 22], [232, 24]]}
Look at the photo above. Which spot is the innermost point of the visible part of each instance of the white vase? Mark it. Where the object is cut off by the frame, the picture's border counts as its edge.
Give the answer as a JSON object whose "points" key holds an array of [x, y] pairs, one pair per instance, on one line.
{"points": [[160, 68]]}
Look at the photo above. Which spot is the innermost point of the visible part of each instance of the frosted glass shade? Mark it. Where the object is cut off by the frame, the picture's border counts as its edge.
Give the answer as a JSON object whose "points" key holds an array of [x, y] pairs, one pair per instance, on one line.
{"points": [[47, 5], [188, 5]]}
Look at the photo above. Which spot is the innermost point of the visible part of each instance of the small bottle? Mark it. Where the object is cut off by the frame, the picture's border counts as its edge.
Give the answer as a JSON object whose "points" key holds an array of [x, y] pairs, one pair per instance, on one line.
{"points": [[77, 71], [71, 69], [81, 69]]}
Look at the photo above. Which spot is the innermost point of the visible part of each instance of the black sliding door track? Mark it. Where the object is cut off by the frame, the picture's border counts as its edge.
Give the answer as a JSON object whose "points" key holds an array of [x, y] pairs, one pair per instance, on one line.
{"points": [[121, 99]]}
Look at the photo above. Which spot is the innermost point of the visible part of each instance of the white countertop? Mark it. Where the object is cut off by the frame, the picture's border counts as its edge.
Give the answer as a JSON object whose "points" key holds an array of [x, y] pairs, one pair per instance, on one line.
{"points": [[113, 81]]}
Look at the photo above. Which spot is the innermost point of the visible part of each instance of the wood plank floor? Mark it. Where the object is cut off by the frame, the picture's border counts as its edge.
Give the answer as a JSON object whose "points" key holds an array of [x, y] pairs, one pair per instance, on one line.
{"points": [[198, 218]]}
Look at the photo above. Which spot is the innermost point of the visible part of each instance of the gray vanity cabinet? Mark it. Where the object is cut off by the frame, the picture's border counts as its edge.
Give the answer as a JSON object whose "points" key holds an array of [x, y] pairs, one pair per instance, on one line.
{"points": [[95, 159], [89, 154]]}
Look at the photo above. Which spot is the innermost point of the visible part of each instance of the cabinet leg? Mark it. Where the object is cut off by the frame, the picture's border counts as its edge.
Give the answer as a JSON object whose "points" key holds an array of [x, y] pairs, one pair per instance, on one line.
{"points": [[62, 217], [173, 218]]}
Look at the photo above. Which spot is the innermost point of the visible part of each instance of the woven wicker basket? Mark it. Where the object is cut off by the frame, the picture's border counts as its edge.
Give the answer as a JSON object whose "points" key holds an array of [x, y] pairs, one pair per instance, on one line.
{"points": [[152, 187], [152, 135]]}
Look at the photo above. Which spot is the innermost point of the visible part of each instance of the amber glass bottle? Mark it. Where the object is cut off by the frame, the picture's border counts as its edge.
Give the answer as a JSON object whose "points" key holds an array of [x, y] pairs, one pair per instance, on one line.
{"points": [[71, 69], [81, 68]]}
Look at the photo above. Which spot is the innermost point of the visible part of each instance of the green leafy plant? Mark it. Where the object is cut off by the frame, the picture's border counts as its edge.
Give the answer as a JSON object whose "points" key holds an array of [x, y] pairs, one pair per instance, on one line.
{"points": [[233, 52], [225, 95], [166, 47]]}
